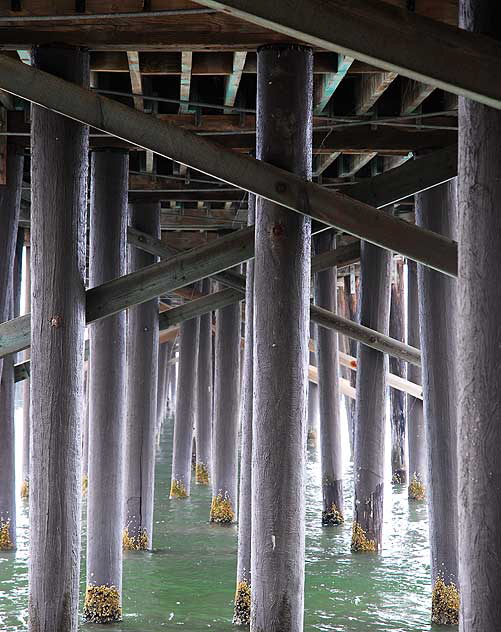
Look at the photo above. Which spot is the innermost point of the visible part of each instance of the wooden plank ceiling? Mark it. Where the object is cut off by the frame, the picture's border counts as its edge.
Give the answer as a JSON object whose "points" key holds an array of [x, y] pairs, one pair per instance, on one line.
{"points": [[192, 57]]}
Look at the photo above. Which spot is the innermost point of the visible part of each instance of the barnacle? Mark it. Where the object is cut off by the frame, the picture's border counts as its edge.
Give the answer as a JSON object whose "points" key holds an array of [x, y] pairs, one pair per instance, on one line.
{"points": [[417, 490], [5, 541], [241, 612], [178, 490], [332, 516], [360, 542], [202, 474], [25, 488], [221, 509], [134, 543], [102, 604], [445, 603]]}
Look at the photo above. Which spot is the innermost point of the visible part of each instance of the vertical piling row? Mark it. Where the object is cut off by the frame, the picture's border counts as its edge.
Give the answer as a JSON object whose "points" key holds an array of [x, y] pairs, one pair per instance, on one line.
{"points": [[59, 151], [281, 330], [106, 383], [142, 377]]}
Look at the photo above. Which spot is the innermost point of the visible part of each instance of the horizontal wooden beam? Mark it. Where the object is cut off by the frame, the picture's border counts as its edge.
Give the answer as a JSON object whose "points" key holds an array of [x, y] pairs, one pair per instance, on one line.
{"points": [[365, 335], [397, 40], [252, 175], [145, 284]]}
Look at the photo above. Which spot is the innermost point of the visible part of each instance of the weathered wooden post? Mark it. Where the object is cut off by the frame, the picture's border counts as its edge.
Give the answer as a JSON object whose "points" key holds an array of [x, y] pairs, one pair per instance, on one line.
{"points": [[415, 418], [242, 609], [163, 353], [142, 376], [226, 407], [10, 198], [313, 394], [281, 331], [331, 457], [59, 148], [351, 289], [203, 423], [7, 403], [25, 484], [185, 410], [436, 210], [479, 336], [397, 367], [371, 402], [106, 383]]}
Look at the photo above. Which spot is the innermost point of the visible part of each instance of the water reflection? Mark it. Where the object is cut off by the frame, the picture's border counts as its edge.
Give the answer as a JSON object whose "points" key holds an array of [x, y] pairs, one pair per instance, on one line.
{"points": [[188, 580]]}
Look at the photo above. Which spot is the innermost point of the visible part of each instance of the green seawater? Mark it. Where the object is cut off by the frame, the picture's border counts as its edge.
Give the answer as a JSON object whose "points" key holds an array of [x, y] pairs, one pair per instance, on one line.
{"points": [[188, 581]]}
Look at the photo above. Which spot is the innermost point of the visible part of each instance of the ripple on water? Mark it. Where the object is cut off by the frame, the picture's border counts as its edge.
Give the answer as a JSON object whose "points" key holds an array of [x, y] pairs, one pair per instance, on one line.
{"points": [[188, 581]]}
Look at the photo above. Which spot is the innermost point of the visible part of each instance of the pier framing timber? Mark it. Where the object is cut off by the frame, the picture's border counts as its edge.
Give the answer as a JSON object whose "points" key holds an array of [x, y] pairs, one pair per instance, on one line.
{"points": [[464, 63], [267, 181]]}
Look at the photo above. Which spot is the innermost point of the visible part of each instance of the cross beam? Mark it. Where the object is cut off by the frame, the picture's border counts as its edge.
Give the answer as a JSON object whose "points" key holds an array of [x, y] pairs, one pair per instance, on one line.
{"points": [[465, 63], [272, 183], [145, 284]]}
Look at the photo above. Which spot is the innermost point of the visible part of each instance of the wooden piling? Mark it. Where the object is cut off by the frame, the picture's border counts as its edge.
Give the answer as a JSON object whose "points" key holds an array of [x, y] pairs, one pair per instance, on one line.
{"points": [[415, 418], [242, 605], [331, 458], [281, 319], [106, 383], [479, 342], [398, 422], [436, 209], [203, 422], [25, 483], [370, 420], [59, 149], [226, 409], [185, 410], [142, 376]]}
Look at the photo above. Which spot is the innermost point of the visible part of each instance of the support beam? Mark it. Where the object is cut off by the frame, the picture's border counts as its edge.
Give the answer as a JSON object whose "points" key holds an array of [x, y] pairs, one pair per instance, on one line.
{"points": [[395, 40], [267, 181], [59, 177], [145, 284], [284, 104], [233, 81], [329, 83], [185, 84], [107, 395], [135, 79]]}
